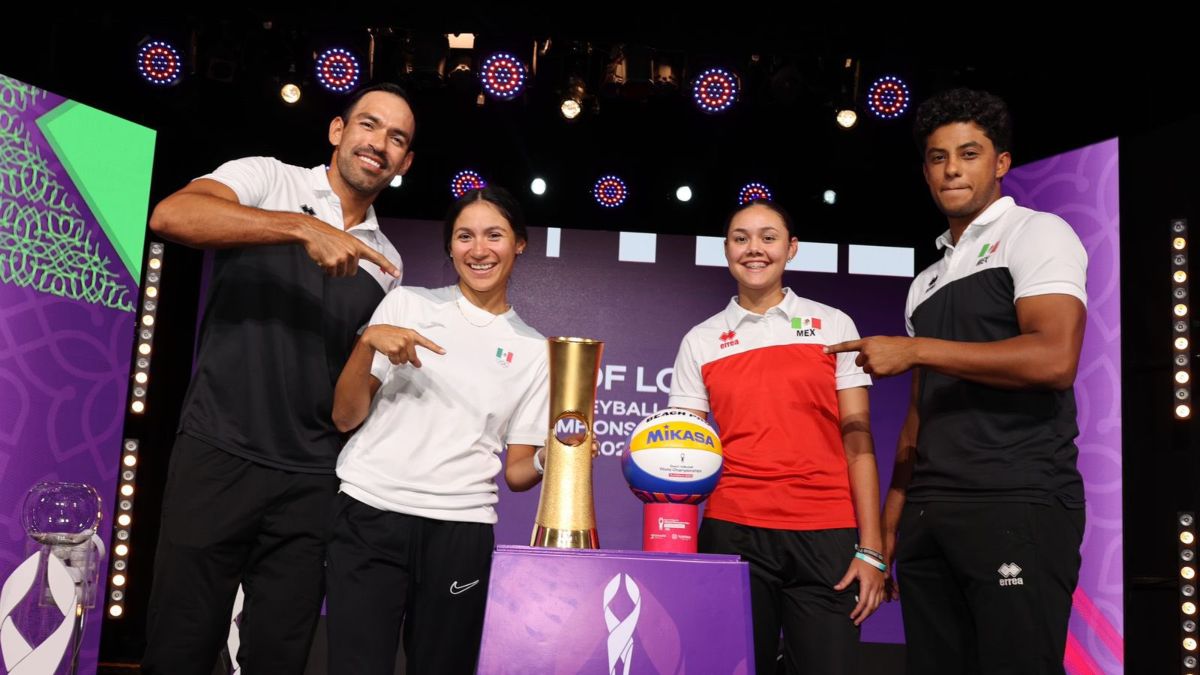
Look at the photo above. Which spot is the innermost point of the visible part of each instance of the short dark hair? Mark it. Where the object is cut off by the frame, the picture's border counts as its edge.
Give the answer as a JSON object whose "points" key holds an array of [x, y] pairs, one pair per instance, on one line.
{"points": [[502, 199], [964, 105], [775, 208], [386, 87]]}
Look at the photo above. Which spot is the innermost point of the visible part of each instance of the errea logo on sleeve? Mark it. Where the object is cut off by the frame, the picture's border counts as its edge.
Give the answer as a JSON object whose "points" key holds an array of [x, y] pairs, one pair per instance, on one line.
{"points": [[806, 326]]}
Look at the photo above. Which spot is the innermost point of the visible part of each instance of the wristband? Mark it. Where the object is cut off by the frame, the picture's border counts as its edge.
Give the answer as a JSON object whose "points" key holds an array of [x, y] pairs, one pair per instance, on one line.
{"points": [[872, 562]]}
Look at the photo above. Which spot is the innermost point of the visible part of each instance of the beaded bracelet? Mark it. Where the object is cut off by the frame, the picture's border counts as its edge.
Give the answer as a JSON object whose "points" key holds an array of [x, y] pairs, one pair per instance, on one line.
{"points": [[869, 551]]}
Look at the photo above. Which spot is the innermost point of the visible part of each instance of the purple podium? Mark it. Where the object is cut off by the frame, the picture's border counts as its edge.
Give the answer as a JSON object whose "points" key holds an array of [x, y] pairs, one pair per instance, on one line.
{"points": [[583, 611]]}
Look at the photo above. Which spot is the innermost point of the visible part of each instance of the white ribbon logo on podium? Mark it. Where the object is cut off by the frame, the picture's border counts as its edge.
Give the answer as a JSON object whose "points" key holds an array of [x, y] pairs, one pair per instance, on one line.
{"points": [[20, 657], [620, 631]]}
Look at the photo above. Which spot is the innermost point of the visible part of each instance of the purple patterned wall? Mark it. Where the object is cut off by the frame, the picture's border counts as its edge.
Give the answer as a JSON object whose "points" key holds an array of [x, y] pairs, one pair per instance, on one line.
{"points": [[64, 360], [1082, 187]]}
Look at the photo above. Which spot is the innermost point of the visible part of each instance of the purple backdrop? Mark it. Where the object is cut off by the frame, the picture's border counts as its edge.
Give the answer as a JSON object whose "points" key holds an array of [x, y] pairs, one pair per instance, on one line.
{"points": [[1081, 186], [64, 363]]}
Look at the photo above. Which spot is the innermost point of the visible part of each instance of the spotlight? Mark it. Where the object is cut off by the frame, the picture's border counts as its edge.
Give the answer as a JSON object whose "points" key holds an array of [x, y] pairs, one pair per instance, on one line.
{"points": [[752, 192], [115, 611], [503, 76], [160, 63], [396, 181], [290, 93], [847, 118], [829, 197], [538, 186], [465, 181], [127, 490], [888, 97], [572, 101], [684, 193], [610, 191], [338, 70], [121, 549], [570, 108], [715, 90]]}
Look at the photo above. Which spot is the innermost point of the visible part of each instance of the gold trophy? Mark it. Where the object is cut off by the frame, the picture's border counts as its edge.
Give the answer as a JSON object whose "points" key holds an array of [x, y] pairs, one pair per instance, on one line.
{"points": [[566, 515]]}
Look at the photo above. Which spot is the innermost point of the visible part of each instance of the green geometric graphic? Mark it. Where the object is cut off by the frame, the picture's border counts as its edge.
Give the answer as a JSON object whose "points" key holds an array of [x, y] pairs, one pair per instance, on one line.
{"points": [[110, 160], [46, 243]]}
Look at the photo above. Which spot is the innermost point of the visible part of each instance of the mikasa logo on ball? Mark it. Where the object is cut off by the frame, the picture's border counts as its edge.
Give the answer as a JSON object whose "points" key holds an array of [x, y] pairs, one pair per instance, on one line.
{"points": [[668, 434]]}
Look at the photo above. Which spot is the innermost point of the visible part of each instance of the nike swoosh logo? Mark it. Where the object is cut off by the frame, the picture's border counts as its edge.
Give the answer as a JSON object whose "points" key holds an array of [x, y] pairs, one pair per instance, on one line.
{"points": [[455, 589]]}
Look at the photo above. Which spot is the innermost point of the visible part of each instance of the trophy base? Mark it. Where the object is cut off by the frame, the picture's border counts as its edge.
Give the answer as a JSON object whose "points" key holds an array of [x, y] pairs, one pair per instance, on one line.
{"points": [[551, 537]]}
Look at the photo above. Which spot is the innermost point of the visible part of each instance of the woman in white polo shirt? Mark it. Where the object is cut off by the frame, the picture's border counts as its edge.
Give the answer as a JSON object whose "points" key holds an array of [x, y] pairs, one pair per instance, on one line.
{"points": [[798, 498], [441, 382]]}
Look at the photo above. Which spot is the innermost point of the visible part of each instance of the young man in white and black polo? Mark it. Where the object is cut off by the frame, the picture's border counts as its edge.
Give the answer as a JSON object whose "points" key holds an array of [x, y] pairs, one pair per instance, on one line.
{"points": [[300, 266], [986, 497]]}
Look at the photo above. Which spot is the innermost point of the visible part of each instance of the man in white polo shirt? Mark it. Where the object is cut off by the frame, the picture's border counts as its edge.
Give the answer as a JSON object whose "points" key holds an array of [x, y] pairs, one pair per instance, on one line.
{"points": [[300, 266]]}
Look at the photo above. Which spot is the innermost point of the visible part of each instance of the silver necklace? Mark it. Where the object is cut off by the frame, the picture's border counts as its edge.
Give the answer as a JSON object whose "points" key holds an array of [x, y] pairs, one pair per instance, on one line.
{"points": [[457, 303]]}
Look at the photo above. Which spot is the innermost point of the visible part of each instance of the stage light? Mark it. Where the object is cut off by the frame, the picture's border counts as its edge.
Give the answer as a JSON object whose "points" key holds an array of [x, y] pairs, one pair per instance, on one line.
{"points": [[829, 197], [847, 118], [570, 108], [715, 90], [571, 105], [290, 93], [538, 186], [888, 97], [753, 192], [160, 63], [610, 191], [1181, 308], [338, 70], [396, 181], [465, 181], [683, 193], [503, 76]]}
